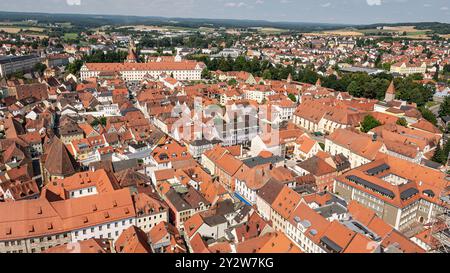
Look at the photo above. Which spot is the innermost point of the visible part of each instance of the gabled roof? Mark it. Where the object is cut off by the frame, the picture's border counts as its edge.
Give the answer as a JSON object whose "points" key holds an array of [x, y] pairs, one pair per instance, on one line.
{"points": [[132, 240], [360, 144], [59, 161], [286, 202], [317, 166]]}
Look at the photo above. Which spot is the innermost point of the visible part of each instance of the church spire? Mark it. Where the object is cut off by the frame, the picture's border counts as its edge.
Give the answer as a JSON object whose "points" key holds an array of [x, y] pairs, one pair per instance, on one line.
{"points": [[319, 83], [132, 56], [390, 93]]}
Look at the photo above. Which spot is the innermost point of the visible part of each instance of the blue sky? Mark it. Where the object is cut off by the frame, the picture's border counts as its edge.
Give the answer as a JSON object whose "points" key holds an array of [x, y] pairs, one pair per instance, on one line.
{"points": [[317, 11]]}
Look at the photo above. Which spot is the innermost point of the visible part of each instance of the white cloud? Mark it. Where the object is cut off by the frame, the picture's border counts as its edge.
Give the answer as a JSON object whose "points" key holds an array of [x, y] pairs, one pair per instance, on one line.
{"points": [[444, 8], [235, 5], [374, 2], [325, 5], [73, 2]]}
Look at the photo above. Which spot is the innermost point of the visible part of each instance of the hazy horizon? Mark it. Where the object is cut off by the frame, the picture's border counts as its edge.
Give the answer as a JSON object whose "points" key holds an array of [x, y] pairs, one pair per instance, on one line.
{"points": [[301, 11]]}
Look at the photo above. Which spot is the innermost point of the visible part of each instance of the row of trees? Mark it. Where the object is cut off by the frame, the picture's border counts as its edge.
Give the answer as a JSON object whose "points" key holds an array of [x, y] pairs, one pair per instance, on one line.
{"points": [[97, 57], [357, 84]]}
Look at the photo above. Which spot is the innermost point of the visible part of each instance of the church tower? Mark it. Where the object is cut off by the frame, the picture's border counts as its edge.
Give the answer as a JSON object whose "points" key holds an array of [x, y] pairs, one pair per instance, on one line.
{"points": [[132, 56], [319, 83], [390, 93]]}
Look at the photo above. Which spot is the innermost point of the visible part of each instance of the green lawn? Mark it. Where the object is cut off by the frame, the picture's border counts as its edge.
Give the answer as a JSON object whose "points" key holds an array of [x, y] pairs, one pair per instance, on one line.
{"points": [[70, 36]]}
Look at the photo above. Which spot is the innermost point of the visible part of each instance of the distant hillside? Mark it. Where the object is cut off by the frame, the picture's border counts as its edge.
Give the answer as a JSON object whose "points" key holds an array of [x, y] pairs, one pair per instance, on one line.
{"points": [[435, 27], [89, 21], [100, 20]]}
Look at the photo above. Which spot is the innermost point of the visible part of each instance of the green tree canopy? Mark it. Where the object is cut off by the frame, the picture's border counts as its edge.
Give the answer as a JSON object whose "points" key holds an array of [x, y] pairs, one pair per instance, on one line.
{"points": [[439, 155], [292, 97], [369, 123], [402, 122], [428, 115], [445, 108]]}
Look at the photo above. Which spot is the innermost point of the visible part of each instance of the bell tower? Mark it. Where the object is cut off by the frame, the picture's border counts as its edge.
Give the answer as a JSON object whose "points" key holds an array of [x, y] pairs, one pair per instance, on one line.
{"points": [[132, 56], [390, 93]]}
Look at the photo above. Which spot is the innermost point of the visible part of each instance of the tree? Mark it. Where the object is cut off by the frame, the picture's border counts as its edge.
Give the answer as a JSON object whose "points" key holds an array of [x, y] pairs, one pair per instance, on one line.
{"points": [[447, 148], [402, 122], [354, 89], [292, 97], [40, 67], [446, 68], [74, 68], [445, 108], [232, 82], [439, 155], [428, 115], [436, 74], [267, 74], [386, 66], [369, 123], [206, 74], [99, 121]]}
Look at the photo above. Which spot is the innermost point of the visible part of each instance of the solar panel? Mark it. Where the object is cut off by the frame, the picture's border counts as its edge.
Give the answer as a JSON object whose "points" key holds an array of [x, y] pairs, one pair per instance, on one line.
{"points": [[370, 185], [430, 193], [405, 195], [378, 169], [332, 245]]}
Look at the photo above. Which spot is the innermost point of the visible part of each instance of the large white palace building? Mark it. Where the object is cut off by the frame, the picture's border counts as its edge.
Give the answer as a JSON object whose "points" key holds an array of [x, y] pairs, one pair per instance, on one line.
{"points": [[131, 70], [181, 70]]}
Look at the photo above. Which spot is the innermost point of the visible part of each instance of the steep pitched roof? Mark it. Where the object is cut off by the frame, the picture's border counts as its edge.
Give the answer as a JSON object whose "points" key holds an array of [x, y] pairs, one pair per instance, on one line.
{"points": [[132, 240], [391, 88], [59, 161]]}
